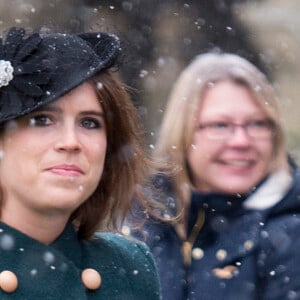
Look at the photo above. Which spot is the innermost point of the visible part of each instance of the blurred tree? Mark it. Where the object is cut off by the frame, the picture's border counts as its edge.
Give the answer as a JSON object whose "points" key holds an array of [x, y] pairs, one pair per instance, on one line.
{"points": [[161, 37], [178, 28]]}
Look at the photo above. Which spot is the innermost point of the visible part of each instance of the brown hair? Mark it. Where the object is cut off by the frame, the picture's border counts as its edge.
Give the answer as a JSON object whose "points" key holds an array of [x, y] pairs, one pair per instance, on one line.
{"points": [[126, 164]]}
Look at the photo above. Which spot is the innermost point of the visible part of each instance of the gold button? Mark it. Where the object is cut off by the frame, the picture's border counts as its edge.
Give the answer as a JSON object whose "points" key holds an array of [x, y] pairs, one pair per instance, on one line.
{"points": [[91, 279], [225, 273], [8, 281], [248, 245], [221, 254], [197, 253]]}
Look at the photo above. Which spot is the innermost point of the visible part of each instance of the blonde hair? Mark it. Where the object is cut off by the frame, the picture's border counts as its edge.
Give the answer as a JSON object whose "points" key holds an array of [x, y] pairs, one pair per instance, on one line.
{"points": [[178, 122]]}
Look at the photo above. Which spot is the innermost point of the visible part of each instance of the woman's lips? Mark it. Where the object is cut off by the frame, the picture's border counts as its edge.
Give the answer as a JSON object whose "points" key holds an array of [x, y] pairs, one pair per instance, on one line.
{"points": [[66, 170], [239, 163]]}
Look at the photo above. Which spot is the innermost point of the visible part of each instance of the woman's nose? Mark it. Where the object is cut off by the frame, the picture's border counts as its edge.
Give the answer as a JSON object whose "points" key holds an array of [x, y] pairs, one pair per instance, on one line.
{"points": [[68, 139], [239, 137]]}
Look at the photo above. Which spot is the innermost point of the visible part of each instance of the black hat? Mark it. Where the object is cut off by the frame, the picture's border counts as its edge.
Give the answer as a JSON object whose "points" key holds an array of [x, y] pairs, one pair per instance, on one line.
{"points": [[37, 69]]}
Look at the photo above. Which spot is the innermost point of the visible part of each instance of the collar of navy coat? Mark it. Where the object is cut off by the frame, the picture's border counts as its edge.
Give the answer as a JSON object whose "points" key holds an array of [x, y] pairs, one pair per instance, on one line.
{"points": [[235, 224], [54, 271]]}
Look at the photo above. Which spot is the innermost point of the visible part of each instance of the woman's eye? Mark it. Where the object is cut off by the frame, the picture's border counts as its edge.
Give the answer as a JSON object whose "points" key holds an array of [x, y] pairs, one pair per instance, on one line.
{"points": [[90, 123], [40, 120], [259, 124], [220, 125]]}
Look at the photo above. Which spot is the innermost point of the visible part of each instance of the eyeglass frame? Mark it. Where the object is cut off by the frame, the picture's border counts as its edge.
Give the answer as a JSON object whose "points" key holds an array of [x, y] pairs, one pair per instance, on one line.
{"points": [[264, 125]]}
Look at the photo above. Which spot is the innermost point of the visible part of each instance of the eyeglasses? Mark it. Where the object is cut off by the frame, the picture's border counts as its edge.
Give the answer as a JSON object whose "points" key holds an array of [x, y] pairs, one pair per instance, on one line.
{"points": [[258, 129]]}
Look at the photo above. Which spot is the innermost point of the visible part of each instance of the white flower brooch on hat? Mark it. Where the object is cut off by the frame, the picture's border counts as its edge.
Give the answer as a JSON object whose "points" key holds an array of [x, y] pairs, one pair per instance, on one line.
{"points": [[6, 72], [22, 73]]}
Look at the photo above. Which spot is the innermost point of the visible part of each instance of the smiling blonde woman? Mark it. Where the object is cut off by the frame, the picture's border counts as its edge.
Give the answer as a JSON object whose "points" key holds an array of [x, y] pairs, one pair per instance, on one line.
{"points": [[233, 188]]}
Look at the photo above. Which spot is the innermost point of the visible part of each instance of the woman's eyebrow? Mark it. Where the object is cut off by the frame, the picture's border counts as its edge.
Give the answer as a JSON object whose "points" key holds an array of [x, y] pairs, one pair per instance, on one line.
{"points": [[92, 112]]}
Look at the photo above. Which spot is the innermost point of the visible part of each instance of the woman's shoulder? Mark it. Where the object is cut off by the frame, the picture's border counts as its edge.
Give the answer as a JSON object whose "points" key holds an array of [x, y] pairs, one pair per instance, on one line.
{"points": [[121, 250], [120, 244], [129, 262]]}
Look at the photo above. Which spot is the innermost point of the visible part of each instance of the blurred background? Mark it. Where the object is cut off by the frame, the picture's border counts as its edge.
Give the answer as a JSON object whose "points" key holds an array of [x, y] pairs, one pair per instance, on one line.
{"points": [[159, 38]]}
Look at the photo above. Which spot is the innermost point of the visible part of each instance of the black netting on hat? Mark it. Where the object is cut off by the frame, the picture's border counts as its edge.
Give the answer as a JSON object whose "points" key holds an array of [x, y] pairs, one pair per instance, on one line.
{"points": [[45, 67]]}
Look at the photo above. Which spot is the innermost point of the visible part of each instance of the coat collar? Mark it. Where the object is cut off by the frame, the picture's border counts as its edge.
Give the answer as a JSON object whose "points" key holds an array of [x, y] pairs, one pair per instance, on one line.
{"points": [[69, 244], [35, 264], [270, 192], [66, 246]]}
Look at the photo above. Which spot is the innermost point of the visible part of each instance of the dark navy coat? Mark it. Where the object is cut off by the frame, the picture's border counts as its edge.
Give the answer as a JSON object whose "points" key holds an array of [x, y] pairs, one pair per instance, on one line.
{"points": [[53, 272], [247, 249]]}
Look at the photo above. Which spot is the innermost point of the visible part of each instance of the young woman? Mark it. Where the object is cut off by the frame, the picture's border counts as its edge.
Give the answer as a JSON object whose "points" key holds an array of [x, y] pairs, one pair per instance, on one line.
{"points": [[236, 194], [71, 158]]}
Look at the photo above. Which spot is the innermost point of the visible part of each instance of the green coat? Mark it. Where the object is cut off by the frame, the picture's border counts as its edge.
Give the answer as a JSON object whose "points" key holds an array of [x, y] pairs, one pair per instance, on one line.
{"points": [[53, 272]]}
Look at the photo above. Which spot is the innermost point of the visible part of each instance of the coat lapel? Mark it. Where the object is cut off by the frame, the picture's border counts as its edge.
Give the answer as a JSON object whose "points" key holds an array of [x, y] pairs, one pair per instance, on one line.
{"points": [[41, 269]]}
